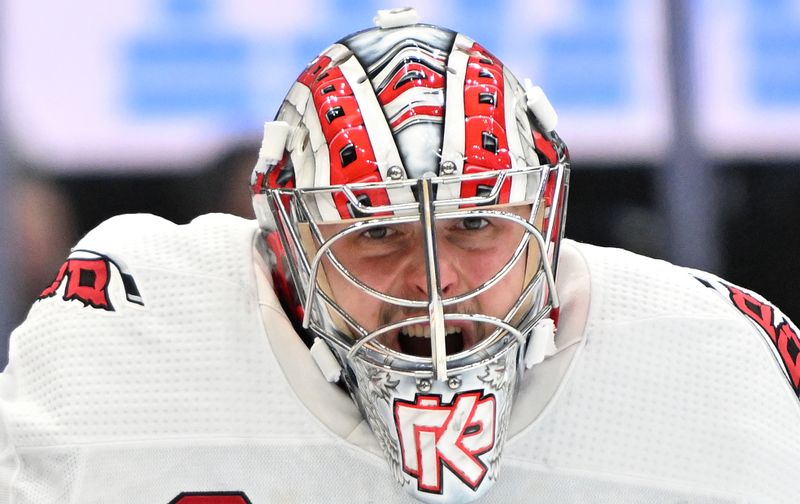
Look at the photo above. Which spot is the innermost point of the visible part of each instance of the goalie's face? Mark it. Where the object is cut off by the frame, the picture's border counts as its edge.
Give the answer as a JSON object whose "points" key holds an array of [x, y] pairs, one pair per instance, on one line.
{"points": [[391, 259]]}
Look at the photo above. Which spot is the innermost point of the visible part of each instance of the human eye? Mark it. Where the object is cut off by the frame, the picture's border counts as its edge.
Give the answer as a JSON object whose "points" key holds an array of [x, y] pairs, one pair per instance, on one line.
{"points": [[378, 233], [472, 223]]}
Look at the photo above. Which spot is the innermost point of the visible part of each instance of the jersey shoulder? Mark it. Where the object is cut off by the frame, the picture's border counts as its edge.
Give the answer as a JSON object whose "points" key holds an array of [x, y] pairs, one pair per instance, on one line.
{"points": [[671, 386], [147, 323], [114, 259], [628, 287], [155, 241], [765, 320]]}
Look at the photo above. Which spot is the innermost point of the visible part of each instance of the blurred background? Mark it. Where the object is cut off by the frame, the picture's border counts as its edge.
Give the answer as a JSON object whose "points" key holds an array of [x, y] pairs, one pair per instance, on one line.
{"points": [[682, 117]]}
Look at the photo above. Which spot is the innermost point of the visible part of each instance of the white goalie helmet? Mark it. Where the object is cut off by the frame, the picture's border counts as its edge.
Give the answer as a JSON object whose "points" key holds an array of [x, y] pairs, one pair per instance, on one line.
{"points": [[412, 195]]}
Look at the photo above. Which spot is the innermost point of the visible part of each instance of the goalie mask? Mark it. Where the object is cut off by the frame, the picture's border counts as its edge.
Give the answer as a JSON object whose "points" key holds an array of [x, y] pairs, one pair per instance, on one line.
{"points": [[412, 195]]}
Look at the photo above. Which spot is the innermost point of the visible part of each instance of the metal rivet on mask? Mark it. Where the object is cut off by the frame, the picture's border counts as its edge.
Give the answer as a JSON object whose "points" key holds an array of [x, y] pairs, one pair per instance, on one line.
{"points": [[394, 172], [448, 168], [423, 385], [454, 382]]}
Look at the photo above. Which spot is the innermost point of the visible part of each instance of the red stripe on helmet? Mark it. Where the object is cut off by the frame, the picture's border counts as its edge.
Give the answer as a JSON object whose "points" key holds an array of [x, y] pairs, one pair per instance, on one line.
{"points": [[314, 70], [555, 207], [484, 130], [352, 158]]}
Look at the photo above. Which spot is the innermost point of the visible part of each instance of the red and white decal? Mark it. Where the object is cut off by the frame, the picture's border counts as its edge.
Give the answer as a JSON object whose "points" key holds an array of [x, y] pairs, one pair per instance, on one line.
{"points": [[433, 435], [352, 158], [412, 86], [87, 275]]}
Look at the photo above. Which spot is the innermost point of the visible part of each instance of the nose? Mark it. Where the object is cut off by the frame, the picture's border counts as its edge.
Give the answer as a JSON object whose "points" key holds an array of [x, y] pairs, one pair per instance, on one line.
{"points": [[446, 262]]}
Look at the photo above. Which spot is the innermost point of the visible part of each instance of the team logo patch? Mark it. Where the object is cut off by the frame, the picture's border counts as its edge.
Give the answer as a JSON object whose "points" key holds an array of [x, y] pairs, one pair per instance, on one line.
{"points": [[772, 322], [434, 435], [87, 275]]}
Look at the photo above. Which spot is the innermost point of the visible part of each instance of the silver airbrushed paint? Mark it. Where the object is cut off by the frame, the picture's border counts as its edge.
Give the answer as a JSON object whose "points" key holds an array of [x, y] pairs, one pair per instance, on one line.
{"points": [[383, 395]]}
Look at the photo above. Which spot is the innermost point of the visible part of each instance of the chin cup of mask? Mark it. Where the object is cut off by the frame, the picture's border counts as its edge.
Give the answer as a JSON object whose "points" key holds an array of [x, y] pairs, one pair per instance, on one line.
{"points": [[443, 440]]}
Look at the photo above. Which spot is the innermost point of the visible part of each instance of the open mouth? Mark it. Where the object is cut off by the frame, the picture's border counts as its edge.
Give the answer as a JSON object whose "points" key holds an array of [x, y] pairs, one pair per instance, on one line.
{"points": [[416, 340]]}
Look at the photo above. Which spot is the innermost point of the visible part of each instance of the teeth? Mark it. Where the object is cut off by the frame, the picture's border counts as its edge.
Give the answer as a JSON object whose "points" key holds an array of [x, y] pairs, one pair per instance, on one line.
{"points": [[424, 331]]}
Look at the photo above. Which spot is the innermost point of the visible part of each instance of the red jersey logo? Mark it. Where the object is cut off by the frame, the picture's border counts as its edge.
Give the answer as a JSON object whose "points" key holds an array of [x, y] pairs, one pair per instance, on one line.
{"points": [[87, 275]]}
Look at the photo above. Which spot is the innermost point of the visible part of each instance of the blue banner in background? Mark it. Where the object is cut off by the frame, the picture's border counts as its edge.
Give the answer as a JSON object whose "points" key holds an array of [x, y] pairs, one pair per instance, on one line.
{"points": [[186, 62], [773, 40], [168, 84], [746, 77]]}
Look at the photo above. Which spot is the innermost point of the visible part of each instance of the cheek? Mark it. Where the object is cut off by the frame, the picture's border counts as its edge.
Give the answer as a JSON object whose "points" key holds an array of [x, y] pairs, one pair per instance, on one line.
{"points": [[363, 307], [499, 299], [377, 269], [477, 267]]}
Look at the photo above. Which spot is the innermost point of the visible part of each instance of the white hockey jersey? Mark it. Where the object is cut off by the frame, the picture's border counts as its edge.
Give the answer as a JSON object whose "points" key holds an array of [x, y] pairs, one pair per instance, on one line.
{"points": [[160, 368]]}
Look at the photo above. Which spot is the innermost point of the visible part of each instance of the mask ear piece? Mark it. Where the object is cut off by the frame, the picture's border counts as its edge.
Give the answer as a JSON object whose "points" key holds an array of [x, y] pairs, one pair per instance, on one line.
{"points": [[274, 143], [541, 107], [394, 18]]}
